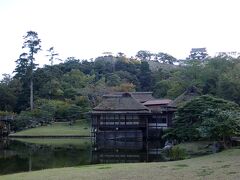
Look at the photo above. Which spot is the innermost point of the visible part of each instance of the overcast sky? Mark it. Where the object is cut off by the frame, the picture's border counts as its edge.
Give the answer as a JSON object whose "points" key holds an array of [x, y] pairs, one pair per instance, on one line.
{"points": [[87, 28]]}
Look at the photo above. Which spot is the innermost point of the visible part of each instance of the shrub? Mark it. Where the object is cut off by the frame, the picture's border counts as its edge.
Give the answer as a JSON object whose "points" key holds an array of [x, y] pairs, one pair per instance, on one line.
{"points": [[177, 153]]}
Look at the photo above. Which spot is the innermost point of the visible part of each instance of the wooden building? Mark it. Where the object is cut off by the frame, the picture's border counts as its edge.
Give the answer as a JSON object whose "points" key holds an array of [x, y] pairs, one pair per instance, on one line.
{"points": [[131, 115], [162, 113], [198, 54]]}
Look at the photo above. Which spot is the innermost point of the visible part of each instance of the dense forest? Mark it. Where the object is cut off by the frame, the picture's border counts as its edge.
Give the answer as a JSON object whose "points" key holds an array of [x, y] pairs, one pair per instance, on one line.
{"points": [[69, 89]]}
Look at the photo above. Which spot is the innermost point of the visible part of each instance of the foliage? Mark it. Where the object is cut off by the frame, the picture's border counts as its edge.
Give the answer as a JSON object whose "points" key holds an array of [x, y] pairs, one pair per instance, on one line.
{"points": [[177, 153], [144, 55], [52, 55], [145, 78], [73, 113], [193, 114], [6, 113], [7, 98], [23, 120], [125, 87], [25, 64], [164, 58], [220, 125], [113, 79], [45, 112]]}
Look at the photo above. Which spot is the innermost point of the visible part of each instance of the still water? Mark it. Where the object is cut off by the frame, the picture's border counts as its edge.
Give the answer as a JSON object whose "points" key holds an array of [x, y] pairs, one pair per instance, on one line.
{"points": [[19, 155]]}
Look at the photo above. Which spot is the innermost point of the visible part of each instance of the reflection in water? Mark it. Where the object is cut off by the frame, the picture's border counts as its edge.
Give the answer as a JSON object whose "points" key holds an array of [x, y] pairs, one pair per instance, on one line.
{"points": [[19, 156], [111, 151], [35, 154]]}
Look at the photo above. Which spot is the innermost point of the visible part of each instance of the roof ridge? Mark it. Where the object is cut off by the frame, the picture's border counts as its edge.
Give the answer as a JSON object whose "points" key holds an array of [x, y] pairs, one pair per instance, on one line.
{"points": [[120, 103]]}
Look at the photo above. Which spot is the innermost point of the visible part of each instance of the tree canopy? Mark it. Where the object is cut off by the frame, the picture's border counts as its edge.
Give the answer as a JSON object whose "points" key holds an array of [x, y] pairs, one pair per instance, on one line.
{"points": [[206, 116]]}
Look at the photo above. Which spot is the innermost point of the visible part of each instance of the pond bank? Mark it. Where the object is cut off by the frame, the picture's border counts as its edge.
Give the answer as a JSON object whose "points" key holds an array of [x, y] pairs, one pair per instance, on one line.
{"points": [[49, 136], [58, 129], [223, 165]]}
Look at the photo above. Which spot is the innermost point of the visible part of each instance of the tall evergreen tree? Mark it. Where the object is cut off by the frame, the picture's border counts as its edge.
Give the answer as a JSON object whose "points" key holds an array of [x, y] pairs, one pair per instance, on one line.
{"points": [[145, 77], [33, 45], [52, 55]]}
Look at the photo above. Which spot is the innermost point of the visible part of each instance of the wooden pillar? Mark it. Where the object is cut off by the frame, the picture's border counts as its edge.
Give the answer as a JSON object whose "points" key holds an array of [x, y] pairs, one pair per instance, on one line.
{"points": [[147, 150], [146, 117], [125, 124], [97, 125], [92, 129], [9, 128], [105, 121]]}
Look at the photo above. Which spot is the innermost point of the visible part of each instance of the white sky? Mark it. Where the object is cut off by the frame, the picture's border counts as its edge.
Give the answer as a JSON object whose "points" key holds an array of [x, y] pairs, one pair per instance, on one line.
{"points": [[87, 28]]}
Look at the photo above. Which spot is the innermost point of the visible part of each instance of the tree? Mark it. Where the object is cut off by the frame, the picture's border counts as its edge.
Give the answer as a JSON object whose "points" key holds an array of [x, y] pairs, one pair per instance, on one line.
{"points": [[220, 125], [52, 55], [113, 79], [161, 88], [144, 55], [73, 113], [125, 87], [6, 79], [22, 68], [145, 77], [164, 58], [7, 98], [191, 116], [32, 44], [22, 78], [121, 54]]}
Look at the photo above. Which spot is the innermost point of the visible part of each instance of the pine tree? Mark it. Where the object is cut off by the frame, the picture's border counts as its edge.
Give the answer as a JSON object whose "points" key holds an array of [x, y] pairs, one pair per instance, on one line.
{"points": [[25, 64]]}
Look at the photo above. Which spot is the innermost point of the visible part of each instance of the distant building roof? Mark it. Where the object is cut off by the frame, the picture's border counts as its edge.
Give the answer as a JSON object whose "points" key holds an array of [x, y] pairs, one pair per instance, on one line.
{"points": [[191, 93], [120, 103], [194, 50], [142, 96], [139, 96], [158, 102]]}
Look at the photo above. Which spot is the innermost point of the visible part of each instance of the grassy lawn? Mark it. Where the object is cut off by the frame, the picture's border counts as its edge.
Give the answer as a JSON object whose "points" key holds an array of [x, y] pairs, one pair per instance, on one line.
{"points": [[80, 128], [224, 165]]}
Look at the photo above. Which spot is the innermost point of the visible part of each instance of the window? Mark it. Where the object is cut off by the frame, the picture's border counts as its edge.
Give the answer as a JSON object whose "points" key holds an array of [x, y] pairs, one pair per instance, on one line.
{"points": [[122, 117], [162, 120], [110, 117], [159, 119], [158, 122]]}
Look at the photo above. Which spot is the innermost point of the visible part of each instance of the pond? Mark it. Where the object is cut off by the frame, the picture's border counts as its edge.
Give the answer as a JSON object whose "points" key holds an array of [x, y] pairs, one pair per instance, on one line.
{"points": [[19, 155]]}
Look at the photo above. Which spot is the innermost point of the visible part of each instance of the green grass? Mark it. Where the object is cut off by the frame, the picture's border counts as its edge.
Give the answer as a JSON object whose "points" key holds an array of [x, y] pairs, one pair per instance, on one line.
{"points": [[204, 167], [80, 128]]}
